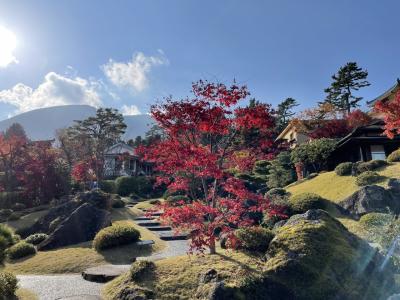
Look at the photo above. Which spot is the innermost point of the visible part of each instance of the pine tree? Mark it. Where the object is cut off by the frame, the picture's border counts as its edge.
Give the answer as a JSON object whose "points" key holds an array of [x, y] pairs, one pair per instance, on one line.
{"points": [[348, 79], [284, 113]]}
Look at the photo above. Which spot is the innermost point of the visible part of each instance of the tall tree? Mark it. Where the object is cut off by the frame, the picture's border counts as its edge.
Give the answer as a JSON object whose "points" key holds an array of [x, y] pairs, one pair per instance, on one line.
{"points": [[348, 79], [102, 131], [15, 130], [202, 141], [284, 113]]}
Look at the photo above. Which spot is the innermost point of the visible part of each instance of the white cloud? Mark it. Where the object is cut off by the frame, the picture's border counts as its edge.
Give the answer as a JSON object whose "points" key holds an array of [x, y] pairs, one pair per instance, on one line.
{"points": [[134, 73], [54, 90], [130, 110], [8, 43]]}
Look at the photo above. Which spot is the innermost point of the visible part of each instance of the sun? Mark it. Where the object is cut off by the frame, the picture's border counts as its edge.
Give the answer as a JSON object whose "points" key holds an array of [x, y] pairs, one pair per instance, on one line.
{"points": [[8, 43]]}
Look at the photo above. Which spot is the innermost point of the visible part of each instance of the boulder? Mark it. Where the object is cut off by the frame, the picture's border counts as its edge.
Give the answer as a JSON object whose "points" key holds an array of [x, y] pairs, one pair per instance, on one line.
{"points": [[313, 256], [81, 226], [210, 288], [135, 293], [371, 198]]}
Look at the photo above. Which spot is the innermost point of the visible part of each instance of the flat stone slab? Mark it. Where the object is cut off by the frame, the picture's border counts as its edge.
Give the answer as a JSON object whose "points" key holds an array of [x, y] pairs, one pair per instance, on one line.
{"points": [[81, 297], [144, 219], [145, 243], [160, 228], [104, 273], [169, 236], [149, 224]]}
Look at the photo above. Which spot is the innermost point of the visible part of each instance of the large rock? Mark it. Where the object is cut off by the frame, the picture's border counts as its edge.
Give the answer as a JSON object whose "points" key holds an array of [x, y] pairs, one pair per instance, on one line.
{"points": [[81, 226], [372, 198], [313, 256]]}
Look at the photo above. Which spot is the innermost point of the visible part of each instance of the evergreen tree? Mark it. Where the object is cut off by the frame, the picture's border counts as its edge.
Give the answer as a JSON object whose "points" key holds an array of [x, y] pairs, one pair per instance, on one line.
{"points": [[348, 79], [284, 113]]}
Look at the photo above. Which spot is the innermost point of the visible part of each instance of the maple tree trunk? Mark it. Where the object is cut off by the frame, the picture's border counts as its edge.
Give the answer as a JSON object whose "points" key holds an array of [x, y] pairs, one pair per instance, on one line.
{"points": [[212, 247]]}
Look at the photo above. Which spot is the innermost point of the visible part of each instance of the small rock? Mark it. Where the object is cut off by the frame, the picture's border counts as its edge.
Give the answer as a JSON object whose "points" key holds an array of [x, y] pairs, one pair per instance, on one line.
{"points": [[135, 293], [210, 275]]}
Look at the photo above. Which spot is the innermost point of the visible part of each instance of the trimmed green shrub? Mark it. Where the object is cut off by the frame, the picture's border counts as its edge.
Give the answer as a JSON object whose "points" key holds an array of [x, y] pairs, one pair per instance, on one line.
{"points": [[376, 219], [118, 203], [36, 238], [21, 249], [140, 269], [139, 185], [370, 165], [305, 201], [7, 234], [115, 235], [344, 169], [254, 238], [367, 178], [174, 200], [394, 156], [108, 186], [19, 206], [8, 285]]}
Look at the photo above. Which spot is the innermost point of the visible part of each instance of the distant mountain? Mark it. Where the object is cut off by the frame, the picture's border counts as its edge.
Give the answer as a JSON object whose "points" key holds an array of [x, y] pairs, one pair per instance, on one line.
{"points": [[41, 124]]}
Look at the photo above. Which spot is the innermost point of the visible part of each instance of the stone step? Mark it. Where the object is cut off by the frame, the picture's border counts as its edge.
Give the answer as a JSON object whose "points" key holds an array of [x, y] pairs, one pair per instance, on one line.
{"points": [[145, 243], [144, 218], [170, 236], [156, 214], [149, 224], [160, 228], [104, 273]]}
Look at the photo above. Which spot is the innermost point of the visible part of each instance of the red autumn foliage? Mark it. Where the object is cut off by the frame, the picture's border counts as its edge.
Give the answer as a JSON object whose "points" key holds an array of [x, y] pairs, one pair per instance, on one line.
{"points": [[204, 136], [357, 118], [83, 171], [391, 114]]}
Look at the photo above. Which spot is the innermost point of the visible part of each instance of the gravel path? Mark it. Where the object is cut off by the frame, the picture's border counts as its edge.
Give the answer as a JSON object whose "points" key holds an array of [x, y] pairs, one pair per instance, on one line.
{"points": [[52, 287]]}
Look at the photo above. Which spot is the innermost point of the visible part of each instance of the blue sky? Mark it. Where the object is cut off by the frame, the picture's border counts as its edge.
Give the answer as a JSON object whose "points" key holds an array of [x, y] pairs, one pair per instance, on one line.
{"points": [[128, 54]]}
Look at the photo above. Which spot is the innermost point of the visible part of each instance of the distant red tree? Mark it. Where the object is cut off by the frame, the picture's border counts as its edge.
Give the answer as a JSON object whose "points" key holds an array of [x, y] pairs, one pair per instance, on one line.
{"points": [[391, 114], [357, 118], [204, 136], [83, 171]]}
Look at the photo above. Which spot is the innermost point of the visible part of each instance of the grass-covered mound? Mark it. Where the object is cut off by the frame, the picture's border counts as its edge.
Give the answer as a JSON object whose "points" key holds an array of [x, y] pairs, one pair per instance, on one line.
{"points": [[335, 188], [313, 256]]}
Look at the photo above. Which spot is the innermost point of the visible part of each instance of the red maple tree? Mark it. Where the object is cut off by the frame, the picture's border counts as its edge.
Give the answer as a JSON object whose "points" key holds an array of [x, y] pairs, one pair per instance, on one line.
{"points": [[205, 137], [391, 115]]}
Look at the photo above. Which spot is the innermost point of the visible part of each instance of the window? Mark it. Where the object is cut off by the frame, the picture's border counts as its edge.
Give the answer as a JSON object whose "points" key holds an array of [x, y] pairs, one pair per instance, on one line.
{"points": [[378, 152]]}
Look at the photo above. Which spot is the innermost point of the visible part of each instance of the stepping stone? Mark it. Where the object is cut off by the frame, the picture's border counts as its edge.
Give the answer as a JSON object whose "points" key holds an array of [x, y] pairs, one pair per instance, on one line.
{"points": [[144, 218], [149, 224], [160, 228], [169, 236], [145, 243], [104, 273], [156, 214]]}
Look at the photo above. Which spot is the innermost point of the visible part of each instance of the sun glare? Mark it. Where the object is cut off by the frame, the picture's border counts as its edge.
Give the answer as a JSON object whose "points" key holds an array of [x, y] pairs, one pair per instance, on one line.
{"points": [[8, 43]]}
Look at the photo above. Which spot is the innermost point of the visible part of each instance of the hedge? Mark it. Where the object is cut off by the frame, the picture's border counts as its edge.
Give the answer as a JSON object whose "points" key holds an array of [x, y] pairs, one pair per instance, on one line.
{"points": [[115, 235]]}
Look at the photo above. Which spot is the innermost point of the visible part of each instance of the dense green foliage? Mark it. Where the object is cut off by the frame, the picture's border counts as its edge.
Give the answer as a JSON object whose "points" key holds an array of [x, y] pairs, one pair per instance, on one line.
{"points": [[284, 113], [367, 178], [108, 186], [140, 269], [394, 156], [305, 201], [36, 238], [115, 235], [20, 249], [254, 238], [140, 185], [6, 239], [344, 169], [314, 154], [8, 285], [376, 219], [281, 171]]}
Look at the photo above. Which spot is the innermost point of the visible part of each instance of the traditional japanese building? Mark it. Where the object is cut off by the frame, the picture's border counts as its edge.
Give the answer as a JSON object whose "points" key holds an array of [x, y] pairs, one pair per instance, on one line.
{"points": [[121, 160]]}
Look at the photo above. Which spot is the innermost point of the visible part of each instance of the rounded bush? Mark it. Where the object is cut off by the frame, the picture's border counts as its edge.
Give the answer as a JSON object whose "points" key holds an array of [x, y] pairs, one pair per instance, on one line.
{"points": [[108, 186], [254, 238], [21, 249], [115, 235], [367, 178], [139, 269], [376, 219], [125, 185], [370, 165], [305, 201], [118, 203], [176, 200], [394, 156], [36, 238], [344, 169], [8, 285]]}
